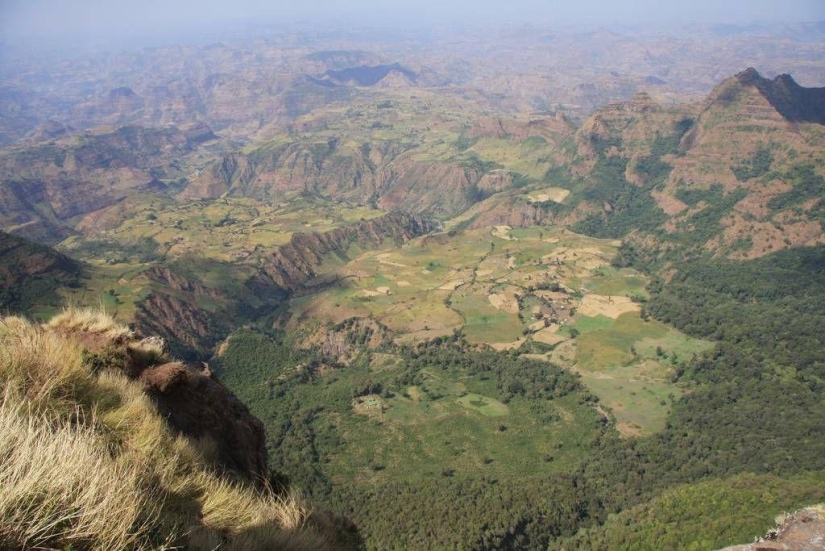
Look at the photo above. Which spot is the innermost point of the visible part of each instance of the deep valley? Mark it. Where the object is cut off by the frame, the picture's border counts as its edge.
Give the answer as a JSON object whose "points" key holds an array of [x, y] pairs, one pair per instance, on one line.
{"points": [[479, 297]]}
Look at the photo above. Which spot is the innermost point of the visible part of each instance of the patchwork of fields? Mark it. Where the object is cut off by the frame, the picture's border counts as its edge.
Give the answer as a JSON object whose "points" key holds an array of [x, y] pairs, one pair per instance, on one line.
{"points": [[550, 293]]}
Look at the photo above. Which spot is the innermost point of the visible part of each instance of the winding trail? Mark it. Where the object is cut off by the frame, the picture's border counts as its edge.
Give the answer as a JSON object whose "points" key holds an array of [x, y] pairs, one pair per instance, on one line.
{"points": [[448, 300]]}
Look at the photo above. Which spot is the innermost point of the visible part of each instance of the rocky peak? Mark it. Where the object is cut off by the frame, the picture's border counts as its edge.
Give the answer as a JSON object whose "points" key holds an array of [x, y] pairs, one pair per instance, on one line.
{"points": [[794, 102]]}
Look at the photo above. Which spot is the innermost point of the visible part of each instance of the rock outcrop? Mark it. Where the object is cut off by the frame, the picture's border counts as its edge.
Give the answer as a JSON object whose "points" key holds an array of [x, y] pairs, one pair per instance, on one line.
{"points": [[200, 407], [803, 530], [192, 402]]}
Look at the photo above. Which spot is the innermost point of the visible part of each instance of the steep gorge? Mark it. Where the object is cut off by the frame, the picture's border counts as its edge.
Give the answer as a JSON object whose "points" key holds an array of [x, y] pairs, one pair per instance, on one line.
{"points": [[196, 315]]}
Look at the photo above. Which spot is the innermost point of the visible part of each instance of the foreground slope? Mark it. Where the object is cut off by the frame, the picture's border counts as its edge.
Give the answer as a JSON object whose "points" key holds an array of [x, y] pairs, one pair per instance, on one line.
{"points": [[107, 444]]}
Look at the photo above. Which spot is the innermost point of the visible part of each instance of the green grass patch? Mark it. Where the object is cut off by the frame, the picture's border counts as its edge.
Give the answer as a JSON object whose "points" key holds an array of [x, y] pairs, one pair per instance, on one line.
{"points": [[484, 405], [587, 324], [641, 407]]}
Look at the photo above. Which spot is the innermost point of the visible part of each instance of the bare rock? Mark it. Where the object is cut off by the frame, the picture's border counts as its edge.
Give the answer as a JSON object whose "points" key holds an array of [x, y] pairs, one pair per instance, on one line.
{"points": [[164, 377], [803, 530]]}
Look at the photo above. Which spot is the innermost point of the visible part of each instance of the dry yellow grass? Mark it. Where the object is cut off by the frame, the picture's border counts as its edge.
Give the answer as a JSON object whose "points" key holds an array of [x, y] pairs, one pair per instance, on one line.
{"points": [[610, 306], [88, 320], [43, 366], [88, 462], [59, 486]]}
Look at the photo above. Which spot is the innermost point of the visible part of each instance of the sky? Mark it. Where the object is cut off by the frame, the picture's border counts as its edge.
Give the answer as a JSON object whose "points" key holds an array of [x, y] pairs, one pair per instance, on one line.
{"points": [[31, 18]]}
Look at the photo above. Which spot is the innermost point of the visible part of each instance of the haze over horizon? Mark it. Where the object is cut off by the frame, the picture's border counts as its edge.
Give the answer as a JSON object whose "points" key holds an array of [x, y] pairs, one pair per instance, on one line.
{"points": [[102, 20]]}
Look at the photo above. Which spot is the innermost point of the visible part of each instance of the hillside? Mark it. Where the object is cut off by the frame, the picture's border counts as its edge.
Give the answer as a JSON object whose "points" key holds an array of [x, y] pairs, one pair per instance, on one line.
{"points": [[738, 175], [31, 274], [110, 444], [45, 187]]}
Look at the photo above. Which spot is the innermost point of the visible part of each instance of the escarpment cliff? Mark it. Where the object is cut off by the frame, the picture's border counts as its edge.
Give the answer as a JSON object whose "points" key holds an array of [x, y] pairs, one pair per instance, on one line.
{"points": [[195, 314], [291, 266]]}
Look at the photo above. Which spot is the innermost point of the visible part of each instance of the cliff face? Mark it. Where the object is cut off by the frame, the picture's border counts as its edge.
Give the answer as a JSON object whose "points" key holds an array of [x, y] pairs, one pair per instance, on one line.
{"points": [[291, 266], [200, 407], [179, 318], [792, 101]]}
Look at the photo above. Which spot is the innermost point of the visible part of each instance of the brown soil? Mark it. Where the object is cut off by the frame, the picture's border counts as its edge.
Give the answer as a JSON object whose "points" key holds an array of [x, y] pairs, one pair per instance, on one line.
{"points": [[610, 306], [504, 301], [628, 431]]}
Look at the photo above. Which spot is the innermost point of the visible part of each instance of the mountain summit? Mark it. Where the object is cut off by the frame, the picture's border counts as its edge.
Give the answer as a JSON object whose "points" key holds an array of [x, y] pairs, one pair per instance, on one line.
{"points": [[794, 102]]}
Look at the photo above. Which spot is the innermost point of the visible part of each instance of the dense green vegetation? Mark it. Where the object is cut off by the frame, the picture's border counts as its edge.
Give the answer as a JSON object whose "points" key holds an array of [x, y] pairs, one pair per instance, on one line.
{"points": [[444, 430], [705, 224], [627, 206], [757, 405], [807, 185], [777, 303], [756, 166], [708, 515]]}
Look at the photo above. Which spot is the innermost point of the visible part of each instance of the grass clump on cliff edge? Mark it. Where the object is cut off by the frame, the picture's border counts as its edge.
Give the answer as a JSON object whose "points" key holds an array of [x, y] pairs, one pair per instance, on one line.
{"points": [[89, 463]]}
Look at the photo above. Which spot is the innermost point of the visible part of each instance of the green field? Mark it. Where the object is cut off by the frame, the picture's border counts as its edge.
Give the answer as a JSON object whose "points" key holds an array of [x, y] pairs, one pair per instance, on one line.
{"points": [[484, 405], [629, 364]]}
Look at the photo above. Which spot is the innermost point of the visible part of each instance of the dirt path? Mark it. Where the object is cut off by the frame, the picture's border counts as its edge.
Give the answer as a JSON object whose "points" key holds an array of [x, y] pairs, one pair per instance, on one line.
{"points": [[602, 412], [448, 300]]}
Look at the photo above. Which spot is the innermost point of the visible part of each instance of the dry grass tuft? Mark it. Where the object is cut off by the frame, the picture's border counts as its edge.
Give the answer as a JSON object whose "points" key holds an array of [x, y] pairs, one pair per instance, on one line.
{"points": [[59, 487], [43, 366], [230, 508], [87, 320]]}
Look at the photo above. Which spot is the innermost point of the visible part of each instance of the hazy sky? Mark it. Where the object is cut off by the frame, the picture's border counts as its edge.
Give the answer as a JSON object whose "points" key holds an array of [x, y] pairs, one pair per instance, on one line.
{"points": [[31, 17]]}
